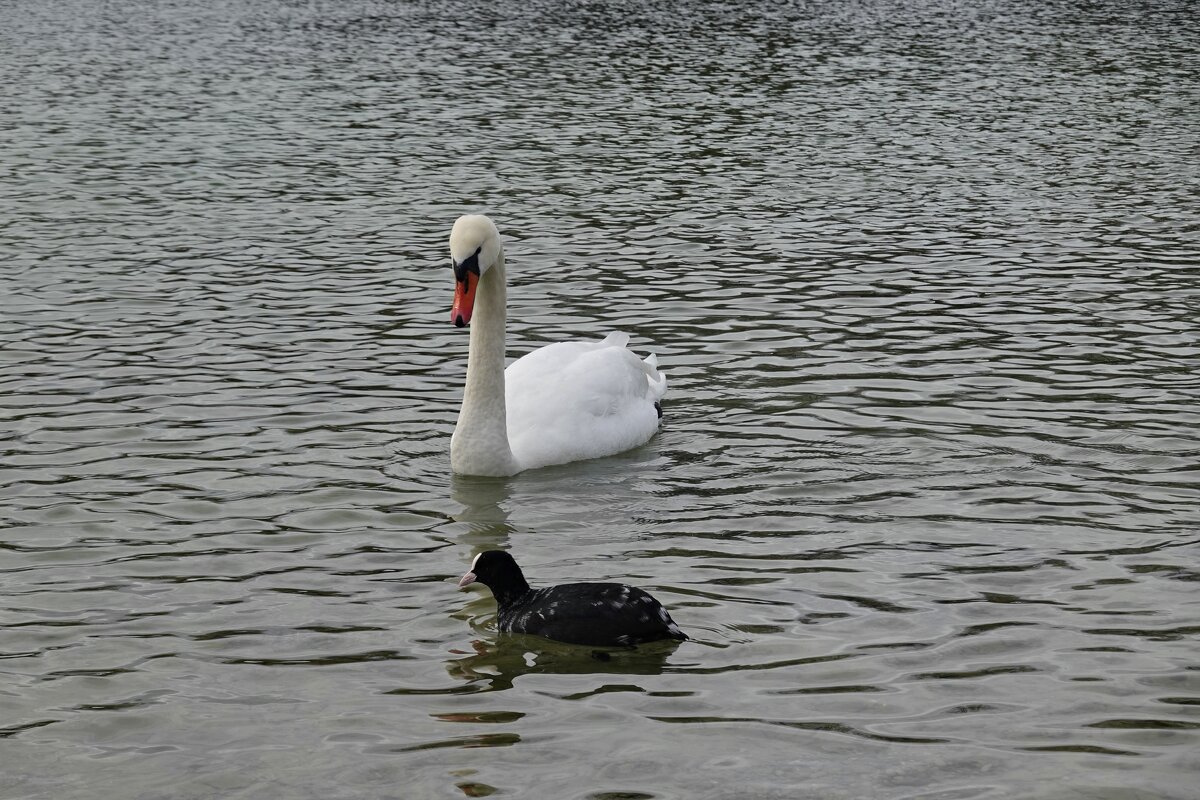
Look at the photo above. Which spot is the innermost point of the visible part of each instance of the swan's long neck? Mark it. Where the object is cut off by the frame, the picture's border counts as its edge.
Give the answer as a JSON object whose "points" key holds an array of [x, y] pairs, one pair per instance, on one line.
{"points": [[480, 442]]}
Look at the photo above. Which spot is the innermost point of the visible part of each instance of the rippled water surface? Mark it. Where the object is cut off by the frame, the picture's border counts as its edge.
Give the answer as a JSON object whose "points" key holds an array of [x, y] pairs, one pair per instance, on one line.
{"points": [[924, 278]]}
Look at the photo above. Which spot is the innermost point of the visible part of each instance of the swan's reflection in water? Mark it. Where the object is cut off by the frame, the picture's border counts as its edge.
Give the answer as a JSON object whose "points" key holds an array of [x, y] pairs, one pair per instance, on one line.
{"points": [[496, 663], [562, 499], [483, 509]]}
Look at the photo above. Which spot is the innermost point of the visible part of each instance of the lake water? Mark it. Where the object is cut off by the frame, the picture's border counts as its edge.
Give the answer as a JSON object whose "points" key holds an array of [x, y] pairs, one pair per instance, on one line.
{"points": [[925, 280]]}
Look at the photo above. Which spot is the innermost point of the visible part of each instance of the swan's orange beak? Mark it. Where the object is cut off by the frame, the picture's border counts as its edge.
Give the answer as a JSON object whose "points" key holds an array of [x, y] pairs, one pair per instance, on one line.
{"points": [[464, 299]]}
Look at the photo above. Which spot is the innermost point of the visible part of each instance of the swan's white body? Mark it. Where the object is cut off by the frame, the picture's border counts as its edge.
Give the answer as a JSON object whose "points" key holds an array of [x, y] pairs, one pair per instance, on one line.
{"points": [[564, 402]]}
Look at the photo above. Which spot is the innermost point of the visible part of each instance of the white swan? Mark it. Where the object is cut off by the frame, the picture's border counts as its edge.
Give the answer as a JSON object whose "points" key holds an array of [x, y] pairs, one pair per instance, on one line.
{"points": [[566, 401]]}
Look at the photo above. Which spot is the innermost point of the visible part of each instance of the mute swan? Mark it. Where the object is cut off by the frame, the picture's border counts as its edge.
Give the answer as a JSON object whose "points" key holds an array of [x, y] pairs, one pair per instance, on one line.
{"points": [[567, 401]]}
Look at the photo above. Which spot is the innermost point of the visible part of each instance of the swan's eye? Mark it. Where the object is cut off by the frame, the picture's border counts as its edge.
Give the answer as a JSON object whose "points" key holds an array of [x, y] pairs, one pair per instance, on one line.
{"points": [[468, 264]]}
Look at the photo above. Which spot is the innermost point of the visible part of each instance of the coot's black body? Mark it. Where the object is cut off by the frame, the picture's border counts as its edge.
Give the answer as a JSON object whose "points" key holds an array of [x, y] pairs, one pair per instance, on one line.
{"points": [[603, 614]]}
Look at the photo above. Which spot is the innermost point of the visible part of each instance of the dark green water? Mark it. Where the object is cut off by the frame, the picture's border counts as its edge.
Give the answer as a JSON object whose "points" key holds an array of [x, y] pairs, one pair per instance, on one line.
{"points": [[925, 279]]}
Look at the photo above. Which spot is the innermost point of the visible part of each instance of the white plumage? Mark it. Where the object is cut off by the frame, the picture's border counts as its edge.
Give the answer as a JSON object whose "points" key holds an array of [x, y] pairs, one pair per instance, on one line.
{"points": [[567, 401]]}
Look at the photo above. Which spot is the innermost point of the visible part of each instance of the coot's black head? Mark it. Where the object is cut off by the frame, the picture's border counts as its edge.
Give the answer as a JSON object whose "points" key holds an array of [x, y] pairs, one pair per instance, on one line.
{"points": [[498, 571]]}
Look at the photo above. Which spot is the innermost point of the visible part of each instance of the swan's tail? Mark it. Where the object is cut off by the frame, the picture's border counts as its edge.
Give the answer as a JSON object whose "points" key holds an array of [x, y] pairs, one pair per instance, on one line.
{"points": [[657, 379]]}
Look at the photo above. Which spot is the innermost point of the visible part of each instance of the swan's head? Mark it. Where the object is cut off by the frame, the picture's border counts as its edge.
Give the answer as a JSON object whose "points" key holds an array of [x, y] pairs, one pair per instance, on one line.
{"points": [[474, 249]]}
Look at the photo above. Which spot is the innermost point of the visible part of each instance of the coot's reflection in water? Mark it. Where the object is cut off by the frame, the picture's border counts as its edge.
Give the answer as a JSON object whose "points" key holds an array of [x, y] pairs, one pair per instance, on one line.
{"points": [[496, 663]]}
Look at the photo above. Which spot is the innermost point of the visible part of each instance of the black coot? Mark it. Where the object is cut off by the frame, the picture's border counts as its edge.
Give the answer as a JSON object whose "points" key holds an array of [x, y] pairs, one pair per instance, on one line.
{"points": [[609, 614]]}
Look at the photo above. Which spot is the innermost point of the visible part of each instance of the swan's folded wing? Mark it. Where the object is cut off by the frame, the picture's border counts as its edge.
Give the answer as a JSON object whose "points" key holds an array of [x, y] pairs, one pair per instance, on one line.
{"points": [[577, 400]]}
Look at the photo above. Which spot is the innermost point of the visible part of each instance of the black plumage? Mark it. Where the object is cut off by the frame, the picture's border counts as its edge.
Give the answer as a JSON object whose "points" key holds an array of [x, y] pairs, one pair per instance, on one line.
{"points": [[601, 614]]}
